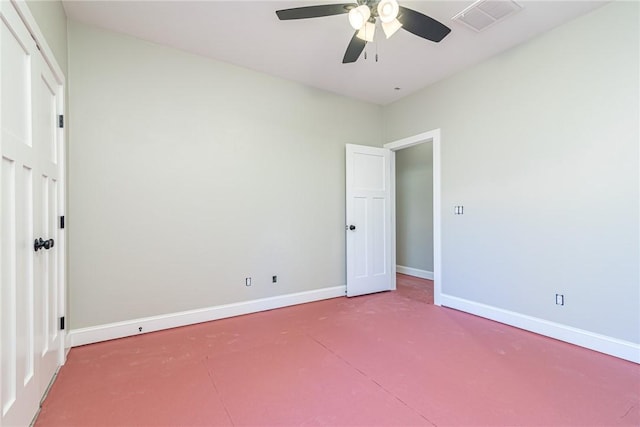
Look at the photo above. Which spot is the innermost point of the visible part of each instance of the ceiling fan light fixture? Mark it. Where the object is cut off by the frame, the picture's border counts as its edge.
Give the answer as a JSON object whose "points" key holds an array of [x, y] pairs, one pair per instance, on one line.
{"points": [[367, 31], [358, 16], [390, 28], [388, 10], [363, 18]]}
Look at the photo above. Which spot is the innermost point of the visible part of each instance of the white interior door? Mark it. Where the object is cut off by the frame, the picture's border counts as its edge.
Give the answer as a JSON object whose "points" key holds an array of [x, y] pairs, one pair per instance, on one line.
{"points": [[47, 102], [368, 179], [30, 144]]}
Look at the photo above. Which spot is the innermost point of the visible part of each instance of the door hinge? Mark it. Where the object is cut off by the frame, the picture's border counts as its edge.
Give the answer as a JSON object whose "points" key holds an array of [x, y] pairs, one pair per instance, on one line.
{"points": [[61, 121], [62, 323], [35, 41], [62, 222]]}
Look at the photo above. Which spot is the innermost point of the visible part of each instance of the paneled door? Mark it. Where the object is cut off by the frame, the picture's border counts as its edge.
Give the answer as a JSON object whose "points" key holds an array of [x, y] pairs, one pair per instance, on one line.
{"points": [[368, 180], [31, 300]]}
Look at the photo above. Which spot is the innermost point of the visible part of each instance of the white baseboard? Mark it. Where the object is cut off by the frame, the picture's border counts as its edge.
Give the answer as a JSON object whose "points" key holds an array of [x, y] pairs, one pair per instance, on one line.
{"points": [[612, 346], [602, 343], [110, 331], [415, 272]]}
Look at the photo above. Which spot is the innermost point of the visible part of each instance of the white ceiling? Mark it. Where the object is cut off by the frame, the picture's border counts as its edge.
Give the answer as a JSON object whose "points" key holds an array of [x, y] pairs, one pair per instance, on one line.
{"points": [[310, 51]]}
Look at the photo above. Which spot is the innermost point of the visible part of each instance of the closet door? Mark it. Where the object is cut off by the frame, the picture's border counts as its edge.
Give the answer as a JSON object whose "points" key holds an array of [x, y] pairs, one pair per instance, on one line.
{"points": [[30, 142]]}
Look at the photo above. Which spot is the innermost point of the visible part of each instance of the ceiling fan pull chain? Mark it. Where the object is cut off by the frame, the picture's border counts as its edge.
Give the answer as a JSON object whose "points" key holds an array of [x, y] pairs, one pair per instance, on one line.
{"points": [[365, 55]]}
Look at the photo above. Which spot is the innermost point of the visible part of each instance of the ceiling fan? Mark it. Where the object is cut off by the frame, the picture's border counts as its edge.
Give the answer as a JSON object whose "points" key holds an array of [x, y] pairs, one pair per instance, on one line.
{"points": [[363, 16]]}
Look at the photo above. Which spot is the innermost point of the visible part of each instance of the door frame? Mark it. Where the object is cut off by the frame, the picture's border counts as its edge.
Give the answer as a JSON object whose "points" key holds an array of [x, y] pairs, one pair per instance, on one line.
{"points": [[432, 136], [30, 22]]}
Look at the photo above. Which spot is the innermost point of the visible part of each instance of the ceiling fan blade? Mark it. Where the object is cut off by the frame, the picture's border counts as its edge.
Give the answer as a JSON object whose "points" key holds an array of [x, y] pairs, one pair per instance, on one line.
{"points": [[355, 48], [314, 11], [422, 25]]}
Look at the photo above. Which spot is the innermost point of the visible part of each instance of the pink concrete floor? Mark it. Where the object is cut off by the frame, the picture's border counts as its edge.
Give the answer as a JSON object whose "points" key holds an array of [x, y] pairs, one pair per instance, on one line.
{"points": [[383, 359]]}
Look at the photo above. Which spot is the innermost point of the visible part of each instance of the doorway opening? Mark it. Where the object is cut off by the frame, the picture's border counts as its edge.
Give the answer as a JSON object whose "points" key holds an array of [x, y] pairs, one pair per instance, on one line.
{"points": [[432, 137]]}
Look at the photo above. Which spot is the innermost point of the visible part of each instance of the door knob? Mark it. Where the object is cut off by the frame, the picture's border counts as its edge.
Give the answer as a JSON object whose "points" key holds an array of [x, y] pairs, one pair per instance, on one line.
{"points": [[352, 227], [40, 244]]}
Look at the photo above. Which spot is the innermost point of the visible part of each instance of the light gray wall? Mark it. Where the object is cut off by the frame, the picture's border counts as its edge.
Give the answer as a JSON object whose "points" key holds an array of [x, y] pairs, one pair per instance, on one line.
{"points": [[52, 20], [414, 207], [540, 145], [188, 175]]}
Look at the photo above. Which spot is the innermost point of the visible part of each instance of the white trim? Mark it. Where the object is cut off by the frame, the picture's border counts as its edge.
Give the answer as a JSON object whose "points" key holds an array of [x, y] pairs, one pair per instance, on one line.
{"points": [[127, 328], [413, 140], [415, 272], [602, 343], [437, 221], [392, 183], [432, 136]]}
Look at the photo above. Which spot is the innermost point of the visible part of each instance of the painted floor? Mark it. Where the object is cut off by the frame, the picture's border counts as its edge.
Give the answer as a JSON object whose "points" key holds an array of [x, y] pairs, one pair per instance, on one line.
{"points": [[385, 359]]}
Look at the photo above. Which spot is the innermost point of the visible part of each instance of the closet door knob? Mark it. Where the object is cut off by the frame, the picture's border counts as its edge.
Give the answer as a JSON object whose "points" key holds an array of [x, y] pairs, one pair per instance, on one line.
{"points": [[43, 244]]}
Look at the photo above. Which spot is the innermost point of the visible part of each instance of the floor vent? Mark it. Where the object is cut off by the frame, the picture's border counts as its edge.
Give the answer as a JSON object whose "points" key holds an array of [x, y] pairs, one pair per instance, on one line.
{"points": [[484, 13]]}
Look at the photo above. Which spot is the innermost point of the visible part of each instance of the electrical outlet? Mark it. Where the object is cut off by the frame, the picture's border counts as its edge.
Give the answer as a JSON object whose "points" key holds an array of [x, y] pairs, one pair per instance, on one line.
{"points": [[274, 279], [559, 299], [247, 281], [458, 210]]}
